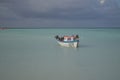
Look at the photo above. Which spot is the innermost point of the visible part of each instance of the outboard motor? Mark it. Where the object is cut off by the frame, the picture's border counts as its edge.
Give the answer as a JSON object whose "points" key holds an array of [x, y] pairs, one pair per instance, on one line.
{"points": [[57, 37], [77, 36]]}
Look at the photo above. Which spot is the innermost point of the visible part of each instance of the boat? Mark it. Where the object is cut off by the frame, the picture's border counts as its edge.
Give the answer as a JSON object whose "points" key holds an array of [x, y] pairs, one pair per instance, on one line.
{"points": [[68, 41]]}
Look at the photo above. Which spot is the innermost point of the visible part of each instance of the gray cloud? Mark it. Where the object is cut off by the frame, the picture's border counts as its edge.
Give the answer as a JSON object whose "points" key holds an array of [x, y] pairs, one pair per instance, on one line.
{"points": [[59, 13]]}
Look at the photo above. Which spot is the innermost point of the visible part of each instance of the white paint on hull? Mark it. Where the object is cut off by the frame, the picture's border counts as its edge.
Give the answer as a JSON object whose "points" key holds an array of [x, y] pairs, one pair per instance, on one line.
{"points": [[72, 44]]}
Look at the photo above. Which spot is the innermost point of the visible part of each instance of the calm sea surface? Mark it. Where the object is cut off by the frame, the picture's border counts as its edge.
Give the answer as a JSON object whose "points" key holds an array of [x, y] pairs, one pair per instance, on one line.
{"points": [[33, 54]]}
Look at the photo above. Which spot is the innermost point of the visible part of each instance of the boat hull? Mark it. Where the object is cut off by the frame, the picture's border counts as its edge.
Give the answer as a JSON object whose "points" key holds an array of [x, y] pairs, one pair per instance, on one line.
{"points": [[74, 44]]}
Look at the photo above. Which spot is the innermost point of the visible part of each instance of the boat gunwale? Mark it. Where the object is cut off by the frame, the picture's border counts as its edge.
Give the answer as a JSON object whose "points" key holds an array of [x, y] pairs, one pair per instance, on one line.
{"points": [[69, 41]]}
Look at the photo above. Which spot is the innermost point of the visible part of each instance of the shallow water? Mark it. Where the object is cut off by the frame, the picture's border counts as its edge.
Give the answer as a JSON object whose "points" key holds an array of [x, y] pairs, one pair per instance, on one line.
{"points": [[33, 54]]}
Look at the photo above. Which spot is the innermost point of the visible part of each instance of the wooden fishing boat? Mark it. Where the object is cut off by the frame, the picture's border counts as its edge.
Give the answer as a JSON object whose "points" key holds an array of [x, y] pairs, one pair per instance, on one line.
{"points": [[68, 41]]}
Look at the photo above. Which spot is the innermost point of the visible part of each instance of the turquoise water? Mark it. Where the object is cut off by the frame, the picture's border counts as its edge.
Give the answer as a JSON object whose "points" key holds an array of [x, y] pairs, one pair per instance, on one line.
{"points": [[33, 54]]}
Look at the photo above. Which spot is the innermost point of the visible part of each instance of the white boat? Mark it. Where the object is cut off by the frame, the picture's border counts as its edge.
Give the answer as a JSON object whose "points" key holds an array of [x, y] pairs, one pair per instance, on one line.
{"points": [[68, 41]]}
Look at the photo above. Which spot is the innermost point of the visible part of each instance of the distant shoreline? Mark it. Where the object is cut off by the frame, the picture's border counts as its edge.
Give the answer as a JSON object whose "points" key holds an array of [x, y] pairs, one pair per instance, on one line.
{"points": [[3, 28], [67, 28]]}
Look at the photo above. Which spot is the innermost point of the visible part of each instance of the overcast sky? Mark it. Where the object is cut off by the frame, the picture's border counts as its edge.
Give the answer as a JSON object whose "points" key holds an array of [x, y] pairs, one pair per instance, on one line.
{"points": [[59, 13]]}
